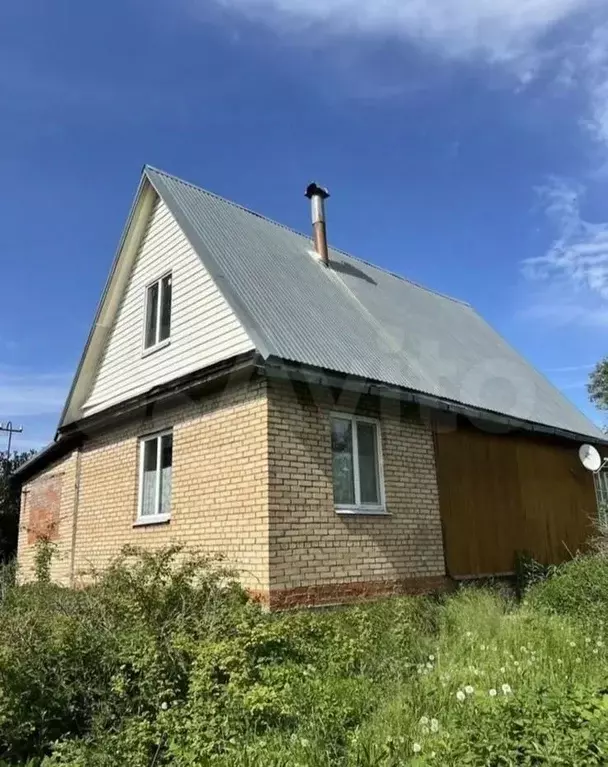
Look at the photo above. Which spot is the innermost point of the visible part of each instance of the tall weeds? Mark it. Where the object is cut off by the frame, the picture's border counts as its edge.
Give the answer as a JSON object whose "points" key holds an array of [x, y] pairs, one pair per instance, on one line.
{"points": [[162, 660]]}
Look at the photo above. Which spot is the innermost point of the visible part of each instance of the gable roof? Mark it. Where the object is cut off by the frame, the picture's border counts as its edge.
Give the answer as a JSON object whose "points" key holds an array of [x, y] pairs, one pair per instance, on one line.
{"points": [[357, 319], [353, 318]]}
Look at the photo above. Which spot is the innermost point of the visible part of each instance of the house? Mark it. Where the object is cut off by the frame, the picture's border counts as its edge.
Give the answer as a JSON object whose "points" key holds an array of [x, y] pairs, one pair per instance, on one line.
{"points": [[335, 430]]}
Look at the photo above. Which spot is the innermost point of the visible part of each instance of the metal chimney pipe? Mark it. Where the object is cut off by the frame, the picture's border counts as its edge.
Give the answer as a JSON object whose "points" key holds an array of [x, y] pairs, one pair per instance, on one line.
{"points": [[317, 196]]}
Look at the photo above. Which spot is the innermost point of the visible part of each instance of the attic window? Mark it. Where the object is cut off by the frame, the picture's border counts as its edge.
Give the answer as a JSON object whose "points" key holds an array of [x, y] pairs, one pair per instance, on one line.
{"points": [[158, 312]]}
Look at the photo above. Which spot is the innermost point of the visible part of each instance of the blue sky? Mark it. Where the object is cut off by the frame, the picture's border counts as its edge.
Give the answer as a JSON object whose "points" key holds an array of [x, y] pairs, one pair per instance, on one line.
{"points": [[465, 143]]}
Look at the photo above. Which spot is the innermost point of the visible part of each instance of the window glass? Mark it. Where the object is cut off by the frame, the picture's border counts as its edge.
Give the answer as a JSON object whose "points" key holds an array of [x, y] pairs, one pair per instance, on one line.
{"points": [[368, 462], [342, 450], [151, 314], [165, 314], [166, 467], [148, 491]]}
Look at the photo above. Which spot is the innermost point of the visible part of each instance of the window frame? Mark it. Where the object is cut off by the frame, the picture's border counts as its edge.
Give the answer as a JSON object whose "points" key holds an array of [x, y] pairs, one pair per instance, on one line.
{"points": [[158, 344], [156, 518], [375, 509]]}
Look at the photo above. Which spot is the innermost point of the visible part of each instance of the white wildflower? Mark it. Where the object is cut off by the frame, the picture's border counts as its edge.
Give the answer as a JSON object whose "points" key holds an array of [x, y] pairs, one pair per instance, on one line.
{"points": [[469, 689], [503, 670], [424, 720], [482, 648], [506, 689], [417, 748], [599, 643], [572, 644], [493, 693], [434, 725], [164, 705], [595, 651], [469, 634], [431, 658], [460, 695]]}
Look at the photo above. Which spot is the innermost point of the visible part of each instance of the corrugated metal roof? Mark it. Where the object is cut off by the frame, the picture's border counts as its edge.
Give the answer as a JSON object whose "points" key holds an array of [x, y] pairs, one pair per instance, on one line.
{"points": [[357, 319]]}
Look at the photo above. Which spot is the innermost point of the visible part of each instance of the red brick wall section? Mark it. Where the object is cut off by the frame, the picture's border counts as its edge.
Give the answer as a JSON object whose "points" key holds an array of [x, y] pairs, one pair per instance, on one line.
{"points": [[346, 593], [44, 506]]}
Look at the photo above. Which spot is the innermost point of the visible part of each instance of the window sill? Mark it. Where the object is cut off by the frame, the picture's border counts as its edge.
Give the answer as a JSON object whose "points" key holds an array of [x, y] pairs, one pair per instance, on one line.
{"points": [[156, 348], [158, 519], [362, 511]]}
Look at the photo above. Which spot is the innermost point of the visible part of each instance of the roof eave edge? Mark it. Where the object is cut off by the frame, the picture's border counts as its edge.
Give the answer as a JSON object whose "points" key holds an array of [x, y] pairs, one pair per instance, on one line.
{"points": [[285, 369], [134, 207]]}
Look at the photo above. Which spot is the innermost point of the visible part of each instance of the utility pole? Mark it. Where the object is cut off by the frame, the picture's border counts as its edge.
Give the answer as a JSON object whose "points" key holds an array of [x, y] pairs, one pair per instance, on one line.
{"points": [[10, 430]]}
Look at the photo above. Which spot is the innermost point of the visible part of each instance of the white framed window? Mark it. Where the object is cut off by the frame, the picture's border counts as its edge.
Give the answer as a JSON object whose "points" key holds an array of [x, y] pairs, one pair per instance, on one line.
{"points": [[357, 464], [155, 474], [159, 296]]}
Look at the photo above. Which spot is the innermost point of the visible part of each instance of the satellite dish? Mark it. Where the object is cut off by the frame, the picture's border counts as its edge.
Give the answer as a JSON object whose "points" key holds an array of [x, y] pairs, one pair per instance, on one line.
{"points": [[590, 458]]}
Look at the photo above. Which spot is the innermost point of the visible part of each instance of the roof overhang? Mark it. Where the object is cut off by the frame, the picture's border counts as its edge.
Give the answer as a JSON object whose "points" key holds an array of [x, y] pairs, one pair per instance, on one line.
{"points": [[189, 387], [246, 366], [286, 370], [109, 303]]}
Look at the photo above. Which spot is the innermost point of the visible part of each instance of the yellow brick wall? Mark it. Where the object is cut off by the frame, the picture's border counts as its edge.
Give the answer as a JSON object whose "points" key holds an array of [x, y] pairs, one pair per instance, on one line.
{"points": [[252, 479], [219, 500], [311, 545]]}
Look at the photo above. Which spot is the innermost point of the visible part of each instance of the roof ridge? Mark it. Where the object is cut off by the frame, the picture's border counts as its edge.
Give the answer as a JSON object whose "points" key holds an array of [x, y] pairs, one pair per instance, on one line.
{"points": [[308, 239]]}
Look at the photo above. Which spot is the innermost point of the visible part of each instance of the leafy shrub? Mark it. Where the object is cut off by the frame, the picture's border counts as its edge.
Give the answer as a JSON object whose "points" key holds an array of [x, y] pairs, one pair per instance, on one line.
{"points": [[74, 662], [162, 661], [578, 588]]}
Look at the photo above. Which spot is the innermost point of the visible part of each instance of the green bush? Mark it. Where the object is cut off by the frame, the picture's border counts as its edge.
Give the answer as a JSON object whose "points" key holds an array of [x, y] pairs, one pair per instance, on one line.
{"points": [[578, 588], [75, 662], [162, 661]]}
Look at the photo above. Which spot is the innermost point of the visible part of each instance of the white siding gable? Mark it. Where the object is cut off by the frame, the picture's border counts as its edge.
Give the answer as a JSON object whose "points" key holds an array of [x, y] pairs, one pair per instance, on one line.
{"points": [[204, 329]]}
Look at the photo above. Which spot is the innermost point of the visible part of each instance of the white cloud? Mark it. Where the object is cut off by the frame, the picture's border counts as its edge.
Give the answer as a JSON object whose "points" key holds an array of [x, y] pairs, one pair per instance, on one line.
{"points": [[517, 35], [594, 78], [497, 29], [579, 254], [570, 281], [24, 393]]}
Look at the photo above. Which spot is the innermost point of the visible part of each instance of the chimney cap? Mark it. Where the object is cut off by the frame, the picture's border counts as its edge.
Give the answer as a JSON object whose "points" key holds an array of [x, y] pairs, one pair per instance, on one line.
{"points": [[314, 190]]}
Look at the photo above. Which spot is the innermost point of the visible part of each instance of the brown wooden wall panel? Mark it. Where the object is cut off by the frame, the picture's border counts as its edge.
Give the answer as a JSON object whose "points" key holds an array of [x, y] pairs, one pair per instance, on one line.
{"points": [[501, 494]]}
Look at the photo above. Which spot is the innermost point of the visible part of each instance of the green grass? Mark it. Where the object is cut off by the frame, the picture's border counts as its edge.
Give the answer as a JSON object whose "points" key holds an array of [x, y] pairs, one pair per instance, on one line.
{"points": [[162, 663]]}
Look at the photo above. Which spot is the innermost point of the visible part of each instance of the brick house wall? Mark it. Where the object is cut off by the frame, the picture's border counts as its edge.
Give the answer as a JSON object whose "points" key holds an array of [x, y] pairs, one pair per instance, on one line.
{"points": [[252, 479], [318, 556], [47, 511], [219, 500]]}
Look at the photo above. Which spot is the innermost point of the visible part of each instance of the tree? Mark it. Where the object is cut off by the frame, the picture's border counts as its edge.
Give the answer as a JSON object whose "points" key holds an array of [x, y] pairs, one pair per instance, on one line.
{"points": [[598, 385], [9, 503]]}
